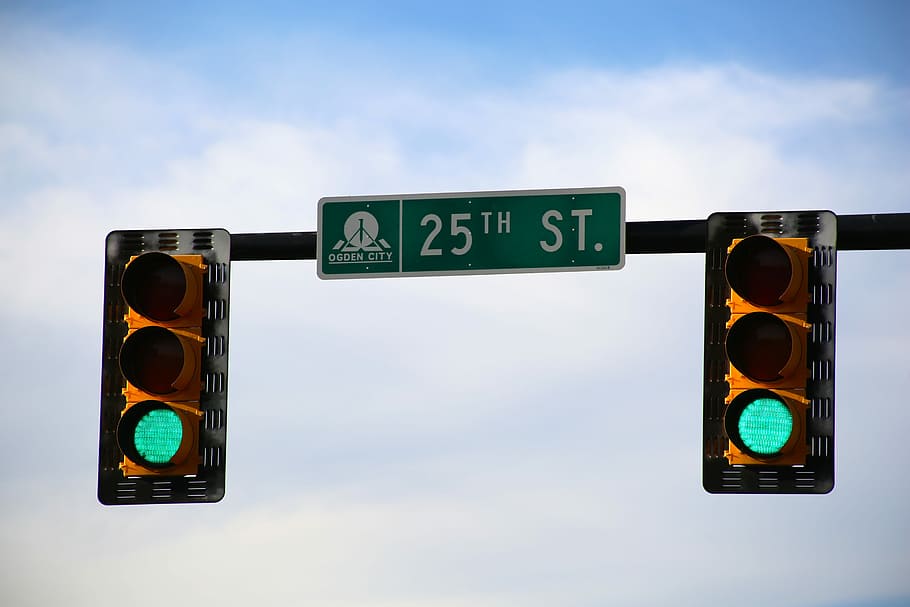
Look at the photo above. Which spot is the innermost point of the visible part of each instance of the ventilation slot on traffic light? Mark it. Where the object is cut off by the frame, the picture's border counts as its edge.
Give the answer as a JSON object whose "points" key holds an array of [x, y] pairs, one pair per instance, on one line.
{"points": [[202, 241], [168, 241]]}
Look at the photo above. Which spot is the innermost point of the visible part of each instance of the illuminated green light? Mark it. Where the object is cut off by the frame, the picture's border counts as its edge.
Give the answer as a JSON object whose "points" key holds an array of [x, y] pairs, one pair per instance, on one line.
{"points": [[158, 436], [765, 426]]}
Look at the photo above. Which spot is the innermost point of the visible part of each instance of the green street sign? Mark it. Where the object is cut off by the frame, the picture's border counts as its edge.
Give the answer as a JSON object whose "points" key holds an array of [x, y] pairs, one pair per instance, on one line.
{"points": [[471, 233]]}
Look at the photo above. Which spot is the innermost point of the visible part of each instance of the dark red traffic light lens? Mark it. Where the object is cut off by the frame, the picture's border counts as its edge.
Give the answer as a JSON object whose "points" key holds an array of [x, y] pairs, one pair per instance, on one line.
{"points": [[760, 345], [759, 270], [152, 359], [154, 285]]}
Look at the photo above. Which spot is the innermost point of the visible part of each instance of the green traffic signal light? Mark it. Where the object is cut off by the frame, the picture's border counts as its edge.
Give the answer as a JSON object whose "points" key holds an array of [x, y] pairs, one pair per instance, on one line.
{"points": [[765, 426], [158, 436], [760, 423]]}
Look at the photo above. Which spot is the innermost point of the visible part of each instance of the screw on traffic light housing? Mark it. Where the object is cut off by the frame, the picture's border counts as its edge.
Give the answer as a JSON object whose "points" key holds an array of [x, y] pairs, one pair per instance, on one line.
{"points": [[769, 352], [164, 367]]}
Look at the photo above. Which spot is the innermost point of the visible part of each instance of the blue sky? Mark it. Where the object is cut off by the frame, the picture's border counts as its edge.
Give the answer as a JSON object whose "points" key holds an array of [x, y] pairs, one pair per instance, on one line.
{"points": [[495, 440], [831, 37]]}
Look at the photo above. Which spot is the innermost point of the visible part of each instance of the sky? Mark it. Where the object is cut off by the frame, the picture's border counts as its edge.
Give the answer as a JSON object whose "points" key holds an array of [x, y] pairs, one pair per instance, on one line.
{"points": [[530, 439]]}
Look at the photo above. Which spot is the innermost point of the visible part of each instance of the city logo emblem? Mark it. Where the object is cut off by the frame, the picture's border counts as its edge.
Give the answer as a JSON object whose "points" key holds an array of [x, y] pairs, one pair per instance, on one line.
{"points": [[361, 243]]}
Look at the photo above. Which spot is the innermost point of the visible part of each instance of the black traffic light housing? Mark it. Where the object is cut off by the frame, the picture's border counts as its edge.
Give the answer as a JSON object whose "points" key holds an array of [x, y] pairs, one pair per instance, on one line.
{"points": [[164, 367], [769, 352]]}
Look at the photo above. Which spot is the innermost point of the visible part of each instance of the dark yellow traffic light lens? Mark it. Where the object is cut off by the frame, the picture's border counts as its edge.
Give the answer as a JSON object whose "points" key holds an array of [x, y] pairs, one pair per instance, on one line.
{"points": [[765, 426], [759, 270], [761, 346], [154, 284], [152, 359], [158, 436]]}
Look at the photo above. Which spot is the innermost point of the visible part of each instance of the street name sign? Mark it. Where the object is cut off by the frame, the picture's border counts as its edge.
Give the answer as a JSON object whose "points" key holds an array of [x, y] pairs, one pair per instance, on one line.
{"points": [[471, 233]]}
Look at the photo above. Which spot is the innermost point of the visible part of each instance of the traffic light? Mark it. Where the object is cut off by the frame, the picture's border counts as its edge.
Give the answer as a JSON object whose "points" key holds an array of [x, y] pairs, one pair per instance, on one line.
{"points": [[769, 352], [164, 367]]}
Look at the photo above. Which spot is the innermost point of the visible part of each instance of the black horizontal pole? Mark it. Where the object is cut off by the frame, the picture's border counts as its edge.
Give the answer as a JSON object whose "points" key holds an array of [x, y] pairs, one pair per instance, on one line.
{"points": [[273, 246], [679, 236], [873, 232], [870, 232]]}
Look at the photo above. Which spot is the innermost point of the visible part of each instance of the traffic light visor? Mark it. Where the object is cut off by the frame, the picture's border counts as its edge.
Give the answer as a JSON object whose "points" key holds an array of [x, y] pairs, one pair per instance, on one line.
{"points": [[762, 271], [157, 360], [158, 287], [763, 347]]}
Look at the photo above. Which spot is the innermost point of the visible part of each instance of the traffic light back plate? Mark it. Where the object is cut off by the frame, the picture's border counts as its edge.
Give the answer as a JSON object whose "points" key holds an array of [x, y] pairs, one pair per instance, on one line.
{"points": [[173, 445], [799, 306]]}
